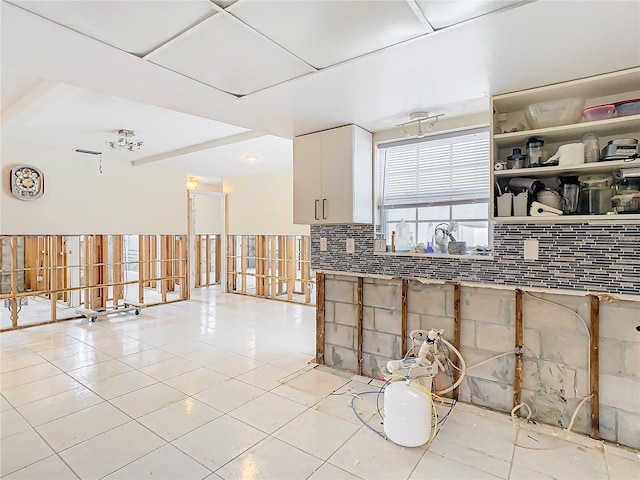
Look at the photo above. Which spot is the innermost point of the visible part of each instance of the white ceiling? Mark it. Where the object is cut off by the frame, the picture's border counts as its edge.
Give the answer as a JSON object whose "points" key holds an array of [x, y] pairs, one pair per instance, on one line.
{"points": [[177, 71]]}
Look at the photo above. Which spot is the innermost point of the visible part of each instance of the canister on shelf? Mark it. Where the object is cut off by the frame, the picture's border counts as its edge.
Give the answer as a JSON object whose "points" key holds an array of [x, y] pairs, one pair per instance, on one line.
{"points": [[591, 147], [535, 151]]}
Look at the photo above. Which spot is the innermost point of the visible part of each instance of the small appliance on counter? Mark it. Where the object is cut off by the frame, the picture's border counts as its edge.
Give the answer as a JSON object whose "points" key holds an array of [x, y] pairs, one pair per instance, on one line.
{"points": [[620, 149]]}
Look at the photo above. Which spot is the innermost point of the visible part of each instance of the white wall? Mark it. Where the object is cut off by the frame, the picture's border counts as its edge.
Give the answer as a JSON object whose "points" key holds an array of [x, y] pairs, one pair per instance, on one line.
{"points": [[79, 200], [262, 205]]}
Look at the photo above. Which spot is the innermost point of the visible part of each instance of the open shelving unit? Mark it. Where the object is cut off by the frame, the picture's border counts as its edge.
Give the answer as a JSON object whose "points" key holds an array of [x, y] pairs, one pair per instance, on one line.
{"points": [[598, 90]]}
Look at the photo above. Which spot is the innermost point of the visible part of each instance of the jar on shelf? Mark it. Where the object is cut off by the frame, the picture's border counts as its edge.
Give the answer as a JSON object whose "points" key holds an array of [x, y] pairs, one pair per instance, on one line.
{"points": [[535, 151], [591, 147]]}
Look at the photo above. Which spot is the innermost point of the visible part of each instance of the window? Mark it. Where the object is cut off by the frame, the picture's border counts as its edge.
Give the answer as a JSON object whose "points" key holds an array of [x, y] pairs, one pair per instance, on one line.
{"points": [[439, 179]]}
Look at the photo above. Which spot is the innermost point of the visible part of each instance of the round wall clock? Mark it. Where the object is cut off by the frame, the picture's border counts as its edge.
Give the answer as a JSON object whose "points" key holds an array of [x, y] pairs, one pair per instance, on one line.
{"points": [[27, 182]]}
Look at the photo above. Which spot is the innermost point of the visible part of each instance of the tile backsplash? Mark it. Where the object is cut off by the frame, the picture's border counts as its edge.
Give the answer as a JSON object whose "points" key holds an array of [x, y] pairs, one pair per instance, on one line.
{"points": [[586, 257]]}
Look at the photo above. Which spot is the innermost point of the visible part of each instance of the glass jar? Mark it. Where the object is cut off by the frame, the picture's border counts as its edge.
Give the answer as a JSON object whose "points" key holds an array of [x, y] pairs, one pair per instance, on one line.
{"points": [[591, 147]]}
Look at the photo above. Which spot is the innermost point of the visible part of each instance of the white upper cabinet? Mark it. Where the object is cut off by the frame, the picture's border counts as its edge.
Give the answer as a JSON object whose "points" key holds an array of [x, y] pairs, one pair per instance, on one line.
{"points": [[333, 176]]}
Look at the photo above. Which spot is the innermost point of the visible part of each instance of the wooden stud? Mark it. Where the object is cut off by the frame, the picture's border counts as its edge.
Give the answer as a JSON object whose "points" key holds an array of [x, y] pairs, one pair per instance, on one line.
{"points": [[118, 262], [141, 268], [519, 341], [594, 359], [405, 289], [218, 258], [281, 263], [360, 323], [244, 249], [231, 263], [152, 258], [164, 265], [305, 268], [273, 270], [14, 281], [53, 264], [259, 262], [197, 261], [320, 307], [207, 260], [185, 268], [456, 334], [291, 267], [87, 271]]}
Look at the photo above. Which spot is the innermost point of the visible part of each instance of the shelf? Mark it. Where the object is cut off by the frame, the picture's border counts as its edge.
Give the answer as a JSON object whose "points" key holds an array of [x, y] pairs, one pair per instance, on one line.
{"points": [[590, 87], [617, 219], [611, 126], [572, 170]]}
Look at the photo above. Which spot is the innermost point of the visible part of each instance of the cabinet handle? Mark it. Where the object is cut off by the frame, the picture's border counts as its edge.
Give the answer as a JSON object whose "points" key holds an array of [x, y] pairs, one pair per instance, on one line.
{"points": [[324, 208], [315, 210]]}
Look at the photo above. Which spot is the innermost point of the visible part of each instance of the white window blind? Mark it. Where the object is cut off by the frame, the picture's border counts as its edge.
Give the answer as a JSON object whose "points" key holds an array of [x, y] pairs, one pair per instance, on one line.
{"points": [[440, 170]]}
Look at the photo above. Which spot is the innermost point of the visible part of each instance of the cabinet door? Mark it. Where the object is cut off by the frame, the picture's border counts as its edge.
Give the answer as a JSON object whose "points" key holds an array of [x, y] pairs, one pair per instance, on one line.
{"points": [[307, 177], [337, 175]]}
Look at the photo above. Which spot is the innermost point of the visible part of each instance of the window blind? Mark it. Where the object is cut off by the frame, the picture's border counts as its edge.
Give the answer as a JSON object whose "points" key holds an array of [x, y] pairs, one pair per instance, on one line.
{"points": [[437, 171]]}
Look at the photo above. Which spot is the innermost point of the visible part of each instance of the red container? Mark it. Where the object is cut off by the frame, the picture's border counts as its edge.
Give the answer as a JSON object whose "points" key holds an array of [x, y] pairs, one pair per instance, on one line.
{"points": [[599, 112]]}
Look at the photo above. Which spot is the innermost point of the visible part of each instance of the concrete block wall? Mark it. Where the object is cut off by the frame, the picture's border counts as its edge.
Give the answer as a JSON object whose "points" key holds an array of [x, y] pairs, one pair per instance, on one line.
{"points": [[556, 346]]}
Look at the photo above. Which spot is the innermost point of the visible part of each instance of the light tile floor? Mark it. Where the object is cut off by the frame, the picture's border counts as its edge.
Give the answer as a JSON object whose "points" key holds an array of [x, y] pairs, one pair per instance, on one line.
{"points": [[222, 386]]}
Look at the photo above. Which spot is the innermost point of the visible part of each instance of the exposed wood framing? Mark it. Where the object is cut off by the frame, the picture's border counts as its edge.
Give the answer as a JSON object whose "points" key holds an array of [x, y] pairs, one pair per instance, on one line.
{"points": [[320, 318], [141, 244], [207, 257], [456, 333], [403, 328], [218, 258], [231, 263], [244, 250], [197, 260], [152, 257], [260, 266], [291, 267], [118, 259], [185, 268], [14, 281], [360, 323], [88, 277], [164, 265], [519, 340], [594, 359], [273, 263], [281, 263], [53, 265], [305, 267]]}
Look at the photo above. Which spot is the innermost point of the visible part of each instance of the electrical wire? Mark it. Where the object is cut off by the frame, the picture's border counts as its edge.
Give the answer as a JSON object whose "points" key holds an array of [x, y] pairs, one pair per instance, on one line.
{"points": [[462, 363], [562, 306], [586, 327]]}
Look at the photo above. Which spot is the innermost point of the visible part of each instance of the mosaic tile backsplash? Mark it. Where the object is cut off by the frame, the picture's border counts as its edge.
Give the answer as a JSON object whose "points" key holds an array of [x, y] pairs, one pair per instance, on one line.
{"points": [[602, 258]]}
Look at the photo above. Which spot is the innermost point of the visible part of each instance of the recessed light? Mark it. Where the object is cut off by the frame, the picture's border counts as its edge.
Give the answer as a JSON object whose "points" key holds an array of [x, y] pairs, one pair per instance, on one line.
{"points": [[251, 157]]}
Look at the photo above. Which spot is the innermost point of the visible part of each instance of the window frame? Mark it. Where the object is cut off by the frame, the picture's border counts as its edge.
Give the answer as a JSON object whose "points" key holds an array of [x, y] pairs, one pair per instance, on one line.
{"points": [[381, 213]]}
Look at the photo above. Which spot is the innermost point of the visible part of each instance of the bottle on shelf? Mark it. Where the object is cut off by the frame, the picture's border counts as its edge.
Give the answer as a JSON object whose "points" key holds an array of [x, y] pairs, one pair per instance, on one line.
{"points": [[430, 233], [402, 236]]}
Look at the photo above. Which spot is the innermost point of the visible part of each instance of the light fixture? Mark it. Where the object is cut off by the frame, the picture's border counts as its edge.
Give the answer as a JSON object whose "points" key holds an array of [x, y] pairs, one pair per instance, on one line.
{"points": [[192, 183], [251, 157], [126, 139], [423, 120]]}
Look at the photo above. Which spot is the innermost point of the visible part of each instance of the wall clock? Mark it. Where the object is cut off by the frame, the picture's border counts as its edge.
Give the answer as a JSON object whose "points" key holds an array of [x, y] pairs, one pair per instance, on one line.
{"points": [[27, 182]]}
